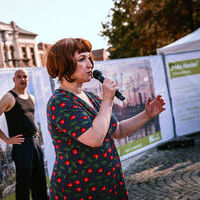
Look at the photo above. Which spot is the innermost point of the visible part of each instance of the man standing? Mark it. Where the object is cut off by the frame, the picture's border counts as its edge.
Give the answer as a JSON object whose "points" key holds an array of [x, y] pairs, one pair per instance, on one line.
{"points": [[18, 107]]}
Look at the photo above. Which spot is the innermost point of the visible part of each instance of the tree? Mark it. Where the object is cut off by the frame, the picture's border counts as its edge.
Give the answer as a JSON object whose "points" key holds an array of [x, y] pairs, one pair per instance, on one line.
{"points": [[139, 27]]}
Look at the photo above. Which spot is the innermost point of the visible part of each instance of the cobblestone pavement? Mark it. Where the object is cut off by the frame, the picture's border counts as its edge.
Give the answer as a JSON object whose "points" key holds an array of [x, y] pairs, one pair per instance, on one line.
{"points": [[165, 174]]}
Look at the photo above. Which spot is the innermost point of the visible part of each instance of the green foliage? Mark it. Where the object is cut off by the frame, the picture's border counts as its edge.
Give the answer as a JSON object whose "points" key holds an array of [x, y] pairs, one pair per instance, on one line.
{"points": [[139, 27]]}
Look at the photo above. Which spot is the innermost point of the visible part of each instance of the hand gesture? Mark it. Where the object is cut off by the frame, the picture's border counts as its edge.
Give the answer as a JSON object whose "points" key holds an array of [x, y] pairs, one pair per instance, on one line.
{"points": [[109, 88], [155, 107], [18, 139]]}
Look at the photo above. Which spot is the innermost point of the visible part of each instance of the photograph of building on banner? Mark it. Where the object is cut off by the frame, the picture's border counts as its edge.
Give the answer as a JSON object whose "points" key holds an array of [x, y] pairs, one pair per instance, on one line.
{"points": [[135, 82]]}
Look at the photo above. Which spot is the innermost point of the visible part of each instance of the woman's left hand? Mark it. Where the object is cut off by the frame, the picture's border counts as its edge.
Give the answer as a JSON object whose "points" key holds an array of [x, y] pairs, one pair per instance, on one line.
{"points": [[155, 107]]}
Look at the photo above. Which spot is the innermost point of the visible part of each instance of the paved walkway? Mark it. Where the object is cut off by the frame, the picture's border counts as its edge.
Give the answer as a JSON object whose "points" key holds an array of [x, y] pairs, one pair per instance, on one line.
{"points": [[165, 174]]}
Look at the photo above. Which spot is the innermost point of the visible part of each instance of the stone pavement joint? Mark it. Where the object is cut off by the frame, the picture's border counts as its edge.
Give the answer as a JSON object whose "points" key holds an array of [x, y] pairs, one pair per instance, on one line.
{"points": [[167, 174]]}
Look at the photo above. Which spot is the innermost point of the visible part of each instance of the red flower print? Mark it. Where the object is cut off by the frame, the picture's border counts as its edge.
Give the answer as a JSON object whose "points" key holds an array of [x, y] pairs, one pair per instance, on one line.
{"points": [[89, 197], [113, 169], [62, 121], [63, 92], [70, 184], [126, 192], [95, 116], [75, 151], [73, 134], [78, 189], [53, 117], [103, 188], [86, 179], [109, 150], [47, 114], [105, 154], [84, 117], [121, 182], [76, 172], [80, 162], [111, 157], [114, 176], [62, 105], [83, 129], [114, 124], [57, 147], [64, 130], [100, 170], [61, 157], [54, 173], [115, 192], [110, 190], [106, 140], [74, 106], [118, 165], [115, 186], [96, 156], [53, 108], [77, 182], [56, 197], [65, 197], [63, 189], [108, 173], [58, 141], [72, 117], [89, 170], [67, 162], [50, 190], [56, 162], [58, 180], [93, 188]]}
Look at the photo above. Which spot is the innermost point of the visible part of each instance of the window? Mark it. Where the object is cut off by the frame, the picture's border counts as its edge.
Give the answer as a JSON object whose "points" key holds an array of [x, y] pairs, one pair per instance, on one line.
{"points": [[33, 55]]}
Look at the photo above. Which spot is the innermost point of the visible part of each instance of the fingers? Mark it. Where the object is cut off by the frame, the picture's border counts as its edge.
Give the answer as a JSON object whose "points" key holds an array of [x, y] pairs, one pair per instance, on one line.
{"points": [[18, 139], [161, 100], [110, 84]]}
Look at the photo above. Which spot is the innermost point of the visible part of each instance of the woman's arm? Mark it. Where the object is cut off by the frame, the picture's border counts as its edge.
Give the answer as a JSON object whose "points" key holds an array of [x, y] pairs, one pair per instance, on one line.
{"points": [[95, 135], [128, 126]]}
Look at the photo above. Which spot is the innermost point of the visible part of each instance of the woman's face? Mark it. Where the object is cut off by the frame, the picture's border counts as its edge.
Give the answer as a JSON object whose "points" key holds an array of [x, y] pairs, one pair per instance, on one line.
{"points": [[84, 67]]}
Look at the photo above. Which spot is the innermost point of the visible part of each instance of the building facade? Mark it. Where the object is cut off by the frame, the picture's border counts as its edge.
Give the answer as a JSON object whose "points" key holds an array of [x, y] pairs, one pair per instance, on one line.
{"points": [[18, 47]]}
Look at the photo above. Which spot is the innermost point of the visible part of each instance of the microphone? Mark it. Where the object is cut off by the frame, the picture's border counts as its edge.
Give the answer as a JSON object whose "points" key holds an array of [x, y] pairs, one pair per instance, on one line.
{"points": [[98, 75]]}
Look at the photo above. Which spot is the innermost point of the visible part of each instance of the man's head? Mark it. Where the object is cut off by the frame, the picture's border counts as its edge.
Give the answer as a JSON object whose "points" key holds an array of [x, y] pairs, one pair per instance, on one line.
{"points": [[21, 79]]}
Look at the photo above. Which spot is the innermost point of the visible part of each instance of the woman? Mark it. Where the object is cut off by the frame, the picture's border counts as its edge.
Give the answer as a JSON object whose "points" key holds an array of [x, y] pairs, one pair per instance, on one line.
{"points": [[82, 128]]}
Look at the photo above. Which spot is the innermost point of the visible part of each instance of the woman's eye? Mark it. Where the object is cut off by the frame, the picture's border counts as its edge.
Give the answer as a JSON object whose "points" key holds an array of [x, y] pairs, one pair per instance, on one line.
{"points": [[82, 59]]}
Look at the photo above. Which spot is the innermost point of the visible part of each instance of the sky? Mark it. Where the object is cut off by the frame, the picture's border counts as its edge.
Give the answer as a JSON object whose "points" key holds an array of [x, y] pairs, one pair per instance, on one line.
{"points": [[53, 20]]}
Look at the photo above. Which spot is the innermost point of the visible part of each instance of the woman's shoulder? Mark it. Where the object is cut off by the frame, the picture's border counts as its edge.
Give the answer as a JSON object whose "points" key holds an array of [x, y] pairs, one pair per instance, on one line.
{"points": [[61, 97]]}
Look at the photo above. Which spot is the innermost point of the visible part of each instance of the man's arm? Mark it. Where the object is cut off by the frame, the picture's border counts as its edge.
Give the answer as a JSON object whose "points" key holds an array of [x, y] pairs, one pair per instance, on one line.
{"points": [[7, 103]]}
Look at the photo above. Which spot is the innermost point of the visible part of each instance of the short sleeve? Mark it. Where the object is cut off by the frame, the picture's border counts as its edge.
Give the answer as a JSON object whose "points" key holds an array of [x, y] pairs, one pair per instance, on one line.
{"points": [[68, 117]]}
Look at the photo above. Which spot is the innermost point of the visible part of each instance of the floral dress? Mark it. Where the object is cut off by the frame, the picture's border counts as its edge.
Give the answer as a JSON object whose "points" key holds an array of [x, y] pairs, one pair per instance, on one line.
{"points": [[81, 172]]}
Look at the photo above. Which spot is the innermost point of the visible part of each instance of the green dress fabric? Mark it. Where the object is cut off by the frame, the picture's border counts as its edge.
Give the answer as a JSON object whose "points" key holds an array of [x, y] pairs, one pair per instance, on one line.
{"points": [[81, 172]]}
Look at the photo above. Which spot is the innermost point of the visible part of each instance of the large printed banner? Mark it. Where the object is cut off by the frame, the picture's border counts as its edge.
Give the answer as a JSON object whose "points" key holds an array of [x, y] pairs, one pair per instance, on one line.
{"points": [[39, 86], [184, 82], [138, 79]]}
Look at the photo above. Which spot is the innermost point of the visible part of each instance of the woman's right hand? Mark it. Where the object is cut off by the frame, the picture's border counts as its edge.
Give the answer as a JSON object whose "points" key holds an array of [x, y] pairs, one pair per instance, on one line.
{"points": [[109, 88]]}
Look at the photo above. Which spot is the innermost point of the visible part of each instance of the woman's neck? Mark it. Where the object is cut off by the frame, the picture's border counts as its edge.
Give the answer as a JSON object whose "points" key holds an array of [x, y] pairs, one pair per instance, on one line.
{"points": [[74, 87]]}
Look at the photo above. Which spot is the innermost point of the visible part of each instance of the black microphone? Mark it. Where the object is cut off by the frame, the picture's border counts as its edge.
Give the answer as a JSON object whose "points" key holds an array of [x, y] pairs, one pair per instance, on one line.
{"points": [[98, 75]]}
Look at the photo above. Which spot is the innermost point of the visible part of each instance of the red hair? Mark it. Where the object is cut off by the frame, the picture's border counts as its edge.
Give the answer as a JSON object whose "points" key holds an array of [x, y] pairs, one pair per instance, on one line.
{"points": [[60, 58]]}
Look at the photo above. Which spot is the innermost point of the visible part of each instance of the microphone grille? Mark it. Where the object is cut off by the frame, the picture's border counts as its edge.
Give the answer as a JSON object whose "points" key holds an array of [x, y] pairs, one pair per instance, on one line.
{"points": [[97, 73]]}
